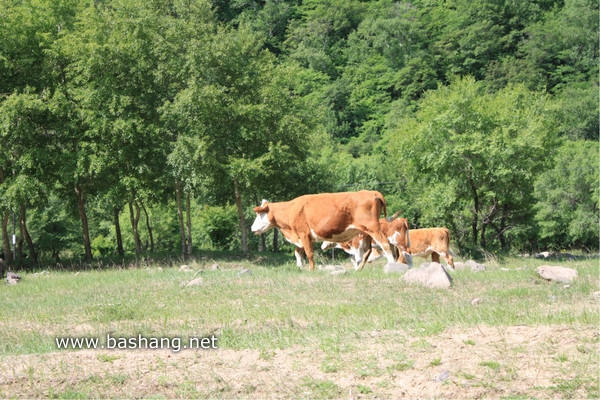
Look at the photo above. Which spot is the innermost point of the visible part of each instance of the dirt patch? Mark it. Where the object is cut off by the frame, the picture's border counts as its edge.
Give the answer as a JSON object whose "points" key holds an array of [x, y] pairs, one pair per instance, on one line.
{"points": [[490, 362]]}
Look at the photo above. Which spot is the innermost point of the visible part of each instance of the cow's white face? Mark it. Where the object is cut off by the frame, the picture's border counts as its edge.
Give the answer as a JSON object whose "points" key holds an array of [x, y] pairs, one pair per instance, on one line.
{"points": [[261, 223]]}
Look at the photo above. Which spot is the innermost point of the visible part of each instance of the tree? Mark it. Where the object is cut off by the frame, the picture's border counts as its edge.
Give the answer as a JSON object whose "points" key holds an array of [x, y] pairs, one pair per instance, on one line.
{"points": [[120, 73], [477, 155], [567, 208], [239, 109], [23, 159], [317, 39]]}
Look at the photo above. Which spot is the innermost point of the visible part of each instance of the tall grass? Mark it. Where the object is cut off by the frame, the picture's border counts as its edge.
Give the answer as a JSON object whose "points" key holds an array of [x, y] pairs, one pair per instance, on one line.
{"points": [[280, 305]]}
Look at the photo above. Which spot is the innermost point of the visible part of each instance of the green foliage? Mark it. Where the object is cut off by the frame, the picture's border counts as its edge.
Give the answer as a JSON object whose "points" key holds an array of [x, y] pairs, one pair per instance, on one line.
{"points": [[218, 227], [477, 155], [567, 210], [105, 103]]}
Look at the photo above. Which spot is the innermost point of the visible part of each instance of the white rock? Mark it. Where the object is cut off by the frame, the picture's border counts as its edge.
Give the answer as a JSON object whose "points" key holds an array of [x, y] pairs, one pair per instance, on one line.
{"points": [[557, 273], [432, 276], [395, 267], [195, 282]]}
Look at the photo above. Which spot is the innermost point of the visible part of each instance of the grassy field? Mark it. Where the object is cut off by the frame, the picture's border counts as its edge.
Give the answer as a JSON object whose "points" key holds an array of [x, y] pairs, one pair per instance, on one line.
{"points": [[300, 334]]}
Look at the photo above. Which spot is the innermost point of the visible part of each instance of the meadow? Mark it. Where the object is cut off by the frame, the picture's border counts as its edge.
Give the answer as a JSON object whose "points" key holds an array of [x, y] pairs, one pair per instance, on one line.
{"points": [[283, 332]]}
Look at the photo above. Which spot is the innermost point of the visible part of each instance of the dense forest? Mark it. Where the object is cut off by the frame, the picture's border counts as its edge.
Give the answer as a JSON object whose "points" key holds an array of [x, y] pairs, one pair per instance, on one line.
{"points": [[133, 127]]}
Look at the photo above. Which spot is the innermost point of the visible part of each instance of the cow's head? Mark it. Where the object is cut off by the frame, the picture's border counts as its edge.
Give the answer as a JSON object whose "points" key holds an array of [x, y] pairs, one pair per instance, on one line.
{"points": [[400, 236], [261, 223], [401, 239]]}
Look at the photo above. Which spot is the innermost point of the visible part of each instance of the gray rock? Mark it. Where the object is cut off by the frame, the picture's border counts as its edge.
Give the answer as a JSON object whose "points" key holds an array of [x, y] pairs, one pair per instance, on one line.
{"points": [[245, 271], [332, 268], [442, 376], [185, 268], [469, 265], [339, 272], [396, 267], [12, 275], [475, 266], [543, 255], [433, 276], [195, 282], [215, 267], [11, 281], [557, 273], [460, 266]]}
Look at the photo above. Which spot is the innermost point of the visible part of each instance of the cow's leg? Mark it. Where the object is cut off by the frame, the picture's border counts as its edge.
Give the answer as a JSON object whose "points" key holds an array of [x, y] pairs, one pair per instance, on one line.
{"points": [[435, 257], [310, 252], [299, 252], [383, 242], [365, 249], [450, 260], [405, 257]]}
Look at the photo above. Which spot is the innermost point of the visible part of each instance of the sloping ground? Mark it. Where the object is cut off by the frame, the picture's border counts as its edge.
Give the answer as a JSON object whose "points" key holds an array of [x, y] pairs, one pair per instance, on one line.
{"points": [[484, 362]]}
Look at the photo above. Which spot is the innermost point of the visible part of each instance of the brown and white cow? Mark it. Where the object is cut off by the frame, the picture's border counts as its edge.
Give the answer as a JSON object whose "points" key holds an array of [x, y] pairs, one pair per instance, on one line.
{"points": [[431, 241], [334, 217], [360, 248]]}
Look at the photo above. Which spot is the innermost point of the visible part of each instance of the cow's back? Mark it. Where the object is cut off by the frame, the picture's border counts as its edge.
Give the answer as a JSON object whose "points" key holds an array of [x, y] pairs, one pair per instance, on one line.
{"points": [[434, 238], [331, 214]]}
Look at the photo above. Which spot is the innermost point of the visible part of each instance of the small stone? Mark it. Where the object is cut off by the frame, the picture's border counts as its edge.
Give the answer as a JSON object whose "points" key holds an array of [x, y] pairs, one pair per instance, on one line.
{"points": [[12, 275], [215, 267], [475, 266], [11, 281], [332, 268], [185, 268], [476, 301], [442, 376], [460, 266], [245, 271], [339, 272], [195, 282], [395, 267]]}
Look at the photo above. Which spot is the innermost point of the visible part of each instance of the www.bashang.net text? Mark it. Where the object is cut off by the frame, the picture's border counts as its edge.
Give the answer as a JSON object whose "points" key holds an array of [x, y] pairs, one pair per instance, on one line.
{"points": [[140, 342]]}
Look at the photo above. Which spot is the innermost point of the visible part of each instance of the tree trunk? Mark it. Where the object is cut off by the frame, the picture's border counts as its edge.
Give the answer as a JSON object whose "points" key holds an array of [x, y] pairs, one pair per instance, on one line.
{"points": [[263, 242], [150, 235], [483, 240], [180, 217], [6, 248], [84, 223], [476, 210], [18, 256], [275, 240], [25, 234], [188, 224], [240, 210], [135, 218], [120, 249], [56, 255]]}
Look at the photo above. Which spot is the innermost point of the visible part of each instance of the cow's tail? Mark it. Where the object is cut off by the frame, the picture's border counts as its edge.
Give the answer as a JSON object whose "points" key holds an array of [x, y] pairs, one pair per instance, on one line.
{"points": [[379, 196], [447, 232]]}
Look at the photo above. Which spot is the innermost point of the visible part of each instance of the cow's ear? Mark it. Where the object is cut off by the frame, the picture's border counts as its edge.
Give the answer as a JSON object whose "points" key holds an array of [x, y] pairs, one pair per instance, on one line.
{"points": [[264, 207]]}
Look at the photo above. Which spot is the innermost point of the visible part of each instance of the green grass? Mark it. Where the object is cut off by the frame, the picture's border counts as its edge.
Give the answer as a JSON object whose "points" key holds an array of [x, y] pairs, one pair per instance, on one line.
{"points": [[360, 331], [280, 306]]}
